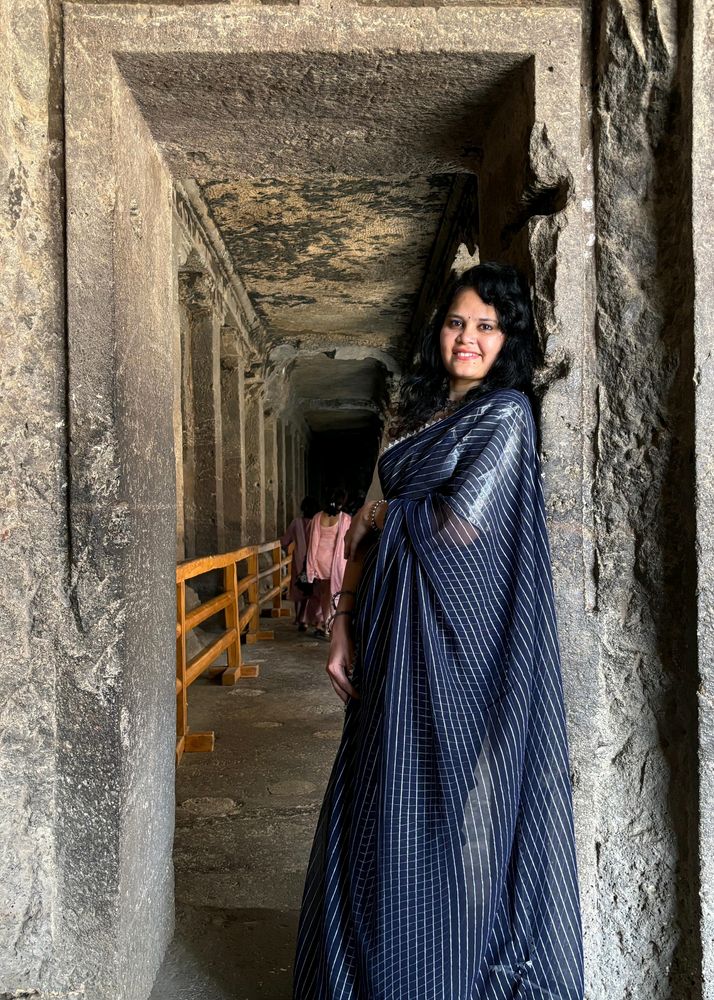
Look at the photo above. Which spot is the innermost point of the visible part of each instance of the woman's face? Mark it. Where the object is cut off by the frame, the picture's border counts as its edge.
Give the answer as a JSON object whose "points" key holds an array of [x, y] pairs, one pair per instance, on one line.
{"points": [[470, 339]]}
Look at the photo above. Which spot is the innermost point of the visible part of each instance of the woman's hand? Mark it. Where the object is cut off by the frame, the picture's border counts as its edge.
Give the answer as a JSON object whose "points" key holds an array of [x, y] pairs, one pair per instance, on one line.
{"points": [[341, 657], [358, 531]]}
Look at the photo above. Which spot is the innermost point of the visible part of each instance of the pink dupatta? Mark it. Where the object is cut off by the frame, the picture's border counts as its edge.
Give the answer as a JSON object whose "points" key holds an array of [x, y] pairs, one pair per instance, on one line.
{"points": [[337, 569]]}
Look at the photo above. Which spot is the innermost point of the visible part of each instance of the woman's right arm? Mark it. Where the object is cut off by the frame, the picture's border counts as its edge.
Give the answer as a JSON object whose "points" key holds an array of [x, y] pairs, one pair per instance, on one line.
{"points": [[341, 655], [289, 535]]}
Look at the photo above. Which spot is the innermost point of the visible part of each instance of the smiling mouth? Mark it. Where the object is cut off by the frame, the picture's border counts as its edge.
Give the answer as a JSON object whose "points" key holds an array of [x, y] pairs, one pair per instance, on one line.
{"points": [[465, 356]]}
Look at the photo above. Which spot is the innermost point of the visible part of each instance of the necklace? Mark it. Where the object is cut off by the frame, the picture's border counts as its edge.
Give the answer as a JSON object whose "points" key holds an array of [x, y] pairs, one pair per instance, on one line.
{"points": [[451, 406]]}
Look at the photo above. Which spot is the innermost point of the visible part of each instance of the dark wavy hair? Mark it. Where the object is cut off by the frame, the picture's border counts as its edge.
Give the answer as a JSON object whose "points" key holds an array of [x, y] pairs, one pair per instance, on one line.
{"points": [[425, 389], [309, 507], [335, 502]]}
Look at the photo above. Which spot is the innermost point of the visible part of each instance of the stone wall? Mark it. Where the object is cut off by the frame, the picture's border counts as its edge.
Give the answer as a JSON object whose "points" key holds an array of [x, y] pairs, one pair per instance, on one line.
{"points": [[117, 839], [37, 629], [643, 491], [702, 111], [74, 880]]}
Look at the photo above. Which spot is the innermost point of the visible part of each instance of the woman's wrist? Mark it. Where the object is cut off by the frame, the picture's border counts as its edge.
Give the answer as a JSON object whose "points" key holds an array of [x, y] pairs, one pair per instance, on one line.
{"points": [[342, 620], [379, 510]]}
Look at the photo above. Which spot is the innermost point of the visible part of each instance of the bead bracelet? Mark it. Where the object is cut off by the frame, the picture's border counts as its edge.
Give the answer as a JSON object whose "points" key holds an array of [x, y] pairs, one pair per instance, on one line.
{"points": [[372, 515], [336, 614], [338, 595]]}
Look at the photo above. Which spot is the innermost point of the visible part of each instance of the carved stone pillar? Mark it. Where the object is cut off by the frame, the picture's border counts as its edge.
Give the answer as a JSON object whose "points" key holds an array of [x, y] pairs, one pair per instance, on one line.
{"points": [[201, 408], [291, 510], [297, 492], [270, 439], [254, 462], [233, 424], [302, 469], [283, 519]]}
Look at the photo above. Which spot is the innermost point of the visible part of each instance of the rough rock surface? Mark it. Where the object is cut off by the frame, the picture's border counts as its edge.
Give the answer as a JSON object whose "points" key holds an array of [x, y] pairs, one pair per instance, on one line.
{"points": [[33, 526], [643, 489], [703, 242]]}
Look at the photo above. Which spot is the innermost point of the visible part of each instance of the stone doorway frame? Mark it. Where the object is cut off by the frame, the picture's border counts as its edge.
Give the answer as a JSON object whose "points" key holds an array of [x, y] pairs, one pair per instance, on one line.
{"points": [[115, 772]]}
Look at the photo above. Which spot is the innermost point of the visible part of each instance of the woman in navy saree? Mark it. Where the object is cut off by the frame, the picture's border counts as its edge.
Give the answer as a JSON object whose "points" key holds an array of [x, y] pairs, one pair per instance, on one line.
{"points": [[443, 866]]}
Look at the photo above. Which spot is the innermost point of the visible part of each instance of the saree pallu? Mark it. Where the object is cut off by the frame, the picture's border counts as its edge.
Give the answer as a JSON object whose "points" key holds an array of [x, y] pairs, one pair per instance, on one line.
{"points": [[443, 866]]}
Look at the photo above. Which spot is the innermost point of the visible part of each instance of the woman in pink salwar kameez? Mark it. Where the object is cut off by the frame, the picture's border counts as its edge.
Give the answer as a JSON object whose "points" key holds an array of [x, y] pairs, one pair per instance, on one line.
{"points": [[307, 606], [325, 553]]}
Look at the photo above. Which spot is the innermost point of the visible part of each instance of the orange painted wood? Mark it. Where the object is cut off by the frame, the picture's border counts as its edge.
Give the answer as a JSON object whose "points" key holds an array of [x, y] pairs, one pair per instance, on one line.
{"points": [[210, 608], [181, 700], [269, 595], [253, 594], [253, 637], [200, 742], [246, 614], [195, 567], [278, 585], [205, 658], [239, 620], [230, 582]]}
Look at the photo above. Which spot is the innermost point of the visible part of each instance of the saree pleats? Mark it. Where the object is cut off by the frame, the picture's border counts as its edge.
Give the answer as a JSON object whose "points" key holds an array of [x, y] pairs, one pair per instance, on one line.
{"points": [[444, 866]]}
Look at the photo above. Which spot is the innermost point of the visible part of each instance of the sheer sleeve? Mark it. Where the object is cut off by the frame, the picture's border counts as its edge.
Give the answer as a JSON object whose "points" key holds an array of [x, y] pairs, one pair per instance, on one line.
{"points": [[375, 487], [289, 535], [484, 491]]}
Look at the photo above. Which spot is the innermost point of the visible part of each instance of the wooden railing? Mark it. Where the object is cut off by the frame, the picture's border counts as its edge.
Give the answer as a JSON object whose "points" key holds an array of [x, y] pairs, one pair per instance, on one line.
{"points": [[241, 601]]}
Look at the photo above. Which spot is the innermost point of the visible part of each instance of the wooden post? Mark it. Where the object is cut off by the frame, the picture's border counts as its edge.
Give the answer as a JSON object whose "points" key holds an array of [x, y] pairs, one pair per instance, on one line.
{"points": [[251, 635], [235, 667], [186, 742], [181, 687], [237, 620], [278, 611], [255, 633]]}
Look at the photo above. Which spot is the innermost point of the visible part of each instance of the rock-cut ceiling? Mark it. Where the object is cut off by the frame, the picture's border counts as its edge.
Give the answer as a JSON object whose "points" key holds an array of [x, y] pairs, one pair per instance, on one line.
{"points": [[331, 258], [331, 261]]}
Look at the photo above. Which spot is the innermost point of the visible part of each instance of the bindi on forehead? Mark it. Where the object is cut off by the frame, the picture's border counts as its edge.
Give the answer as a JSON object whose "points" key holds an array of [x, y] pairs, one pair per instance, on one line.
{"points": [[482, 318]]}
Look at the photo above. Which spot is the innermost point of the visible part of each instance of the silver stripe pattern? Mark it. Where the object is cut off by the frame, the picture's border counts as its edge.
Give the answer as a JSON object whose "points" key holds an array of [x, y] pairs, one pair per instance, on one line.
{"points": [[443, 866]]}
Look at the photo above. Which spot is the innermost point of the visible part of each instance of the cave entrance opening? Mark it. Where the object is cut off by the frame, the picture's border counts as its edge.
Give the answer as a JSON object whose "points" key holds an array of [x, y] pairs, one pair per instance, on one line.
{"points": [[407, 132]]}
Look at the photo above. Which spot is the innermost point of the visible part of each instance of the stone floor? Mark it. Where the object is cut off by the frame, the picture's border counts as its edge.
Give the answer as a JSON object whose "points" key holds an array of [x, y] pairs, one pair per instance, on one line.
{"points": [[244, 823]]}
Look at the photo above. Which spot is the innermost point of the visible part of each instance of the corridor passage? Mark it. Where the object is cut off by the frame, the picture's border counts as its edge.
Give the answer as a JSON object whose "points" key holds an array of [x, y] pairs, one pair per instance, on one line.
{"points": [[245, 818]]}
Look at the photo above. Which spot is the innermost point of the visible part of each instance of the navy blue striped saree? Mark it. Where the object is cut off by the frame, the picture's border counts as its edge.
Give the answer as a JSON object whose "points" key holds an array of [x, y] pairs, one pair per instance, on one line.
{"points": [[443, 866]]}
